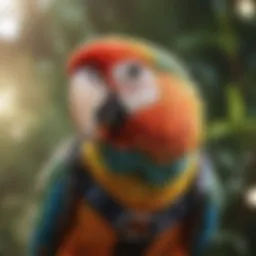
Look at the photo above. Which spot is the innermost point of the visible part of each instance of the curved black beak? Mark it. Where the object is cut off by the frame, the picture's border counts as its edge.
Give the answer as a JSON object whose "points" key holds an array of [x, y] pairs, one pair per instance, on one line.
{"points": [[112, 114]]}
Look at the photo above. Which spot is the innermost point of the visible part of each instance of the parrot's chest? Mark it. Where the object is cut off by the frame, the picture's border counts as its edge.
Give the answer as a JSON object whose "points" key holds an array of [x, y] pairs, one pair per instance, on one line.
{"points": [[117, 214], [130, 225], [131, 233], [105, 226]]}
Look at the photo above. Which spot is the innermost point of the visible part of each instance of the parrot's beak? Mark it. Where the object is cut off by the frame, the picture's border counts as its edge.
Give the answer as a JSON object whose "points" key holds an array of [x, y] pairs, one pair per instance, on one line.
{"points": [[93, 107], [112, 115]]}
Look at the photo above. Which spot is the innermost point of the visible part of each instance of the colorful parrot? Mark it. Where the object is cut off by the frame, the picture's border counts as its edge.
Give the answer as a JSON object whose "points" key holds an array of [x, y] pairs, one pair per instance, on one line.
{"points": [[134, 180]]}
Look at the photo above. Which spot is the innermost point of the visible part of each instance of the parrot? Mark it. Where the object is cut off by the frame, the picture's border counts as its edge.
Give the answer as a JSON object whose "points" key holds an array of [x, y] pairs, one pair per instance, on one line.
{"points": [[134, 179]]}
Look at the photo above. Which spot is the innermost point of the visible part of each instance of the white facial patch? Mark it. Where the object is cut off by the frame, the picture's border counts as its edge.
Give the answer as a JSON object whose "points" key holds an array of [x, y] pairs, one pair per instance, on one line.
{"points": [[87, 93], [136, 85]]}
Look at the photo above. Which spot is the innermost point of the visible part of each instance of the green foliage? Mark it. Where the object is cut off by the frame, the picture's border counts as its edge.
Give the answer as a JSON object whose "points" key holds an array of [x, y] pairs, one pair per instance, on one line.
{"points": [[237, 122], [236, 105], [218, 129]]}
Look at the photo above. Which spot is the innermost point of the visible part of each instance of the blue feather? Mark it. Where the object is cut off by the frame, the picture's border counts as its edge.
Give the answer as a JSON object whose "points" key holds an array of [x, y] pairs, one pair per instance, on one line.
{"points": [[207, 228], [54, 205], [130, 162]]}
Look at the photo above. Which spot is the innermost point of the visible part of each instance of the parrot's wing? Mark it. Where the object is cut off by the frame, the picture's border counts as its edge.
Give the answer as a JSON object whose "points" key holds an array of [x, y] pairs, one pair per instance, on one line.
{"points": [[56, 189], [208, 209]]}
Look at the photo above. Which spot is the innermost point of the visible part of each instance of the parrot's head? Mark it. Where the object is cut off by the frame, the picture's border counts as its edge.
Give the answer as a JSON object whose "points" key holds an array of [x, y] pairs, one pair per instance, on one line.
{"points": [[132, 95]]}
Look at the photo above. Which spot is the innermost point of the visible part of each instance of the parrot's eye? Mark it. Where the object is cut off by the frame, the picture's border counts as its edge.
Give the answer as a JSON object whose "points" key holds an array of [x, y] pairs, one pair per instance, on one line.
{"points": [[128, 71], [134, 70], [136, 84]]}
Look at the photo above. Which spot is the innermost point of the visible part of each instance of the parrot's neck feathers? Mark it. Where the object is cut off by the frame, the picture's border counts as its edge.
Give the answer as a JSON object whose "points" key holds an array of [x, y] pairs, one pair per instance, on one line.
{"points": [[128, 162], [143, 190]]}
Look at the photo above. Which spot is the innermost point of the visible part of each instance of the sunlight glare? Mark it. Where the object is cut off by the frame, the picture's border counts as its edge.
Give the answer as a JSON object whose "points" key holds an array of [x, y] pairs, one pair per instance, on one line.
{"points": [[246, 9], [9, 20], [7, 102], [251, 197]]}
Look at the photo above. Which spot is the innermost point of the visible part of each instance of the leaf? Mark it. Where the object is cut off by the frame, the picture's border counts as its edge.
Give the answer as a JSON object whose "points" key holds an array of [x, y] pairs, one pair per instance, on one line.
{"points": [[229, 43], [236, 105], [247, 126], [218, 129]]}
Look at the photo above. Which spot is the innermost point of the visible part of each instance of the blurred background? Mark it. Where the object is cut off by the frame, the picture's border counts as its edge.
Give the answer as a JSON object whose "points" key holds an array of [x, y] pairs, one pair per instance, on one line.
{"points": [[216, 39]]}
